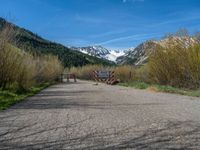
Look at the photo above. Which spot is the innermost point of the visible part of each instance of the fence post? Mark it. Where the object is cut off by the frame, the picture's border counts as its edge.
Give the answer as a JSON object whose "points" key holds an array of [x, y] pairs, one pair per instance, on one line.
{"points": [[74, 78], [130, 75], [68, 77]]}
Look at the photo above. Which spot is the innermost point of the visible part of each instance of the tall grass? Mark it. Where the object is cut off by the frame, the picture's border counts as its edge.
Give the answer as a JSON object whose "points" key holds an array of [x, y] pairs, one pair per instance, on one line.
{"points": [[21, 70]]}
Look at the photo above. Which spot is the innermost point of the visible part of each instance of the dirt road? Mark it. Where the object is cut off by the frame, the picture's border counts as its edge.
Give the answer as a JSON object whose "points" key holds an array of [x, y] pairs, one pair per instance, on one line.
{"points": [[88, 116]]}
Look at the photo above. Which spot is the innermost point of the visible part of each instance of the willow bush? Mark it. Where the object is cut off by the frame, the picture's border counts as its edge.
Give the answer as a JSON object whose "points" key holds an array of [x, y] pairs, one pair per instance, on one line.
{"points": [[142, 74], [176, 66], [85, 72], [48, 68], [124, 73], [22, 70]]}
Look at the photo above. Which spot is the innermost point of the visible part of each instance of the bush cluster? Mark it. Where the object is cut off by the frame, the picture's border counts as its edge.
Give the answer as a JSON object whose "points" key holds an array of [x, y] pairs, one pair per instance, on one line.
{"points": [[21, 70]]}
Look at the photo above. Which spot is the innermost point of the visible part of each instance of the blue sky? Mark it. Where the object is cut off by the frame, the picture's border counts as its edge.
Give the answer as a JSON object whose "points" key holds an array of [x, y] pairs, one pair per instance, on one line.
{"points": [[115, 24]]}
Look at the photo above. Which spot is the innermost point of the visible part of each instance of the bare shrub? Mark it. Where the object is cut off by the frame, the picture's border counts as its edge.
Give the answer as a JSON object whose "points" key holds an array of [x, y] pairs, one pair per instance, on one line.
{"points": [[26, 72], [182, 32], [10, 58], [48, 68], [124, 73], [142, 74]]}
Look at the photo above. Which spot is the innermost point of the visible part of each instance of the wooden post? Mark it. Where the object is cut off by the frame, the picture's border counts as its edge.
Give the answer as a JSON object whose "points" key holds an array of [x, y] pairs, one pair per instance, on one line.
{"points": [[74, 77], [68, 77], [130, 75], [61, 78]]}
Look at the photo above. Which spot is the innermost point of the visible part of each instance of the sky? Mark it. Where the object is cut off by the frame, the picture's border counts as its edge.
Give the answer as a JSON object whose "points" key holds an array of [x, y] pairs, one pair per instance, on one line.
{"points": [[114, 24]]}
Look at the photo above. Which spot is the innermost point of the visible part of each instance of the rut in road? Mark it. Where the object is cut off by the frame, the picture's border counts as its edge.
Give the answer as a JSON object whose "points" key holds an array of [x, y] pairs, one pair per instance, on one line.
{"points": [[86, 116]]}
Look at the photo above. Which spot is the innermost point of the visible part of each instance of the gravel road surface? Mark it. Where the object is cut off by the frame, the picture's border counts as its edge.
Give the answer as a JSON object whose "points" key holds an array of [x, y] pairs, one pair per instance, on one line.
{"points": [[83, 115]]}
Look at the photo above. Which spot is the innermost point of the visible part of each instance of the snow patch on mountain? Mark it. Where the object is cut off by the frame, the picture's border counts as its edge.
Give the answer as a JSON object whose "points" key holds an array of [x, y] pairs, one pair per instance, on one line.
{"points": [[113, 55], [100, 52]]}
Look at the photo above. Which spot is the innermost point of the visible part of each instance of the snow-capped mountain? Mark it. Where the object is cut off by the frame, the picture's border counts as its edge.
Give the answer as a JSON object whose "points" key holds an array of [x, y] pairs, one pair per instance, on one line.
{"points": [[100, 52]]}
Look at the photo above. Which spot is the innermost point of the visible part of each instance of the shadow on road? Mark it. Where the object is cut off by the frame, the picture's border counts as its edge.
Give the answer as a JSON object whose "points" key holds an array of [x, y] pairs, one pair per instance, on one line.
{"points": [[59, 98], [174, 135]]}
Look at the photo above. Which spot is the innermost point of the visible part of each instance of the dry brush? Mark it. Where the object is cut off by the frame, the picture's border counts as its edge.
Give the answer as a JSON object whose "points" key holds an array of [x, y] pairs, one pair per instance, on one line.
{"points": [[21, 70]]}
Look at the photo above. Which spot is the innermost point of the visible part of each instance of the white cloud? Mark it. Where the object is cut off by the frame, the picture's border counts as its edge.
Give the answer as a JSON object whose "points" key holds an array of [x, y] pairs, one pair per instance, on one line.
{"points": [[173, 21], [133, 1], [133, 37]]}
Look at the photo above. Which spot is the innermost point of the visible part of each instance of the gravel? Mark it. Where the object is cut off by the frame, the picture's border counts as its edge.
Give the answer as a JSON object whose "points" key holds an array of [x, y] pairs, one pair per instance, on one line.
{"points": [[83, 115]]}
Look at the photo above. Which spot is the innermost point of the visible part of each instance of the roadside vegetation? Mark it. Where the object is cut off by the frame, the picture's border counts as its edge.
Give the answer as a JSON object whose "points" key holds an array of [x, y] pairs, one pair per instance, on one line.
{"points": [[10, 97], [22, 73], [161, 88]]}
